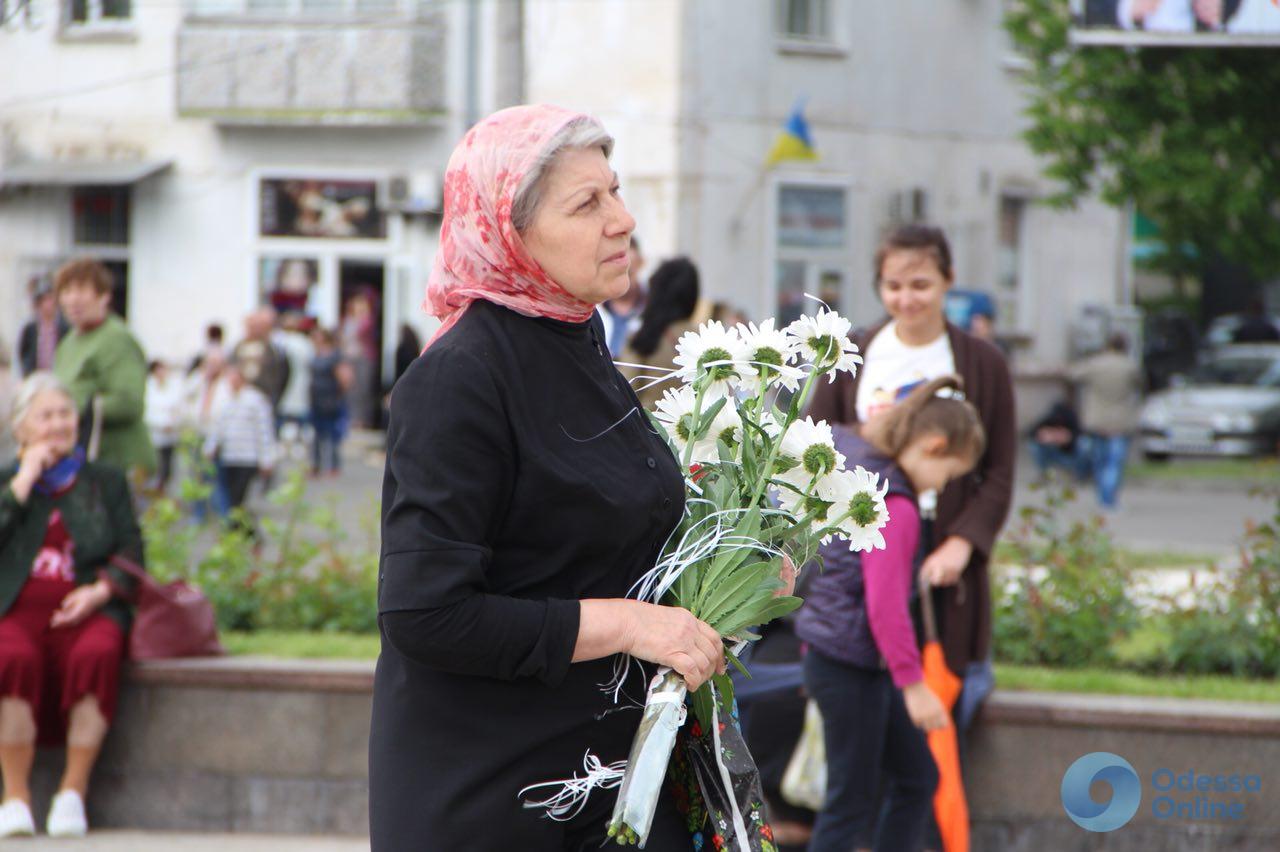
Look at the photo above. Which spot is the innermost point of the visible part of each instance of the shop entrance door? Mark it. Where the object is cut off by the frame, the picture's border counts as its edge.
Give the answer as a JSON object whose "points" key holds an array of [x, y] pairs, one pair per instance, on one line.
{"points": [[361, 299]]}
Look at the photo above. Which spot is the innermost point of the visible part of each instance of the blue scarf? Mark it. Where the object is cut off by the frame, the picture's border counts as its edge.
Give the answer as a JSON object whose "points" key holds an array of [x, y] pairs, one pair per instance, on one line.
{"points": [[62, 475]]}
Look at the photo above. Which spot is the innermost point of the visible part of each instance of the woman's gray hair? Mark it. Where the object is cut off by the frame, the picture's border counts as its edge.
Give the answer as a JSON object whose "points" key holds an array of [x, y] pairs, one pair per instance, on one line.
{"points": [[34, 385], [584, 132]]}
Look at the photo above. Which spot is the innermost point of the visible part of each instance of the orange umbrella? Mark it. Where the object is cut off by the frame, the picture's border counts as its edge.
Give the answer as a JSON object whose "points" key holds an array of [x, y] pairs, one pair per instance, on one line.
{"points": [[950, 808]]}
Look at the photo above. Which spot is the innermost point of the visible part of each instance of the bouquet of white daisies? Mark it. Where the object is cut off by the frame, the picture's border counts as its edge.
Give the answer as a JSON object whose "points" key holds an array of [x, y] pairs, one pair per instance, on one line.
{"points": [[763, 485]]}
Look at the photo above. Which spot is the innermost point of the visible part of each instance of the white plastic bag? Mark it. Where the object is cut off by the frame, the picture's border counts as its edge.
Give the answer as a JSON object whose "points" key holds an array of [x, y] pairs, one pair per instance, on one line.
{"points": [[804, 784]]}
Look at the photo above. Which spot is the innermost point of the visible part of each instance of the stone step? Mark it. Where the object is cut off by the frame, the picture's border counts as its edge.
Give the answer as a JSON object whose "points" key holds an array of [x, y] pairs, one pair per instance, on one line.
{"points": [[156, 841]]}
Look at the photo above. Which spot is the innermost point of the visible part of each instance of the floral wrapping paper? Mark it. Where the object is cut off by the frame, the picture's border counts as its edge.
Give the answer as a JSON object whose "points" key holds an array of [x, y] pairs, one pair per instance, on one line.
{"points": [[696, 787]]}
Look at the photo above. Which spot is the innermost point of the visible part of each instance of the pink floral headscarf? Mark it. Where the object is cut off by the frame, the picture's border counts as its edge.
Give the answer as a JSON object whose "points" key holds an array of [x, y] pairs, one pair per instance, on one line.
{"points": [[481, 256]]}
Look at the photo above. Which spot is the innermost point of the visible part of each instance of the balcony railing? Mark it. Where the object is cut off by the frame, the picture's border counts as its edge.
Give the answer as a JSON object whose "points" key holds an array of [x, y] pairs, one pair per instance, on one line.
{"points": [[271, 62]]}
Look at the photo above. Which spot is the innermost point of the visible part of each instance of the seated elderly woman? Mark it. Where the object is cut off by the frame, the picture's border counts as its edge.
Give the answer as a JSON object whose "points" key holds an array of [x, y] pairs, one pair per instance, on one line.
{"points": [[62, 629], [525, 493]]}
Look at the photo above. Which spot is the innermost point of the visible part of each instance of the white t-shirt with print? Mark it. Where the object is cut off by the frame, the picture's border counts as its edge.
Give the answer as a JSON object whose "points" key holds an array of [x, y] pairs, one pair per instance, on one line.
{"points": [[889, 365]]}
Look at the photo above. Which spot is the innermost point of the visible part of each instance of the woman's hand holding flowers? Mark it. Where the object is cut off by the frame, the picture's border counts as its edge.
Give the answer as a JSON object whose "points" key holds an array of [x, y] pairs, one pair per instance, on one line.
{"points": [[672, 636]]}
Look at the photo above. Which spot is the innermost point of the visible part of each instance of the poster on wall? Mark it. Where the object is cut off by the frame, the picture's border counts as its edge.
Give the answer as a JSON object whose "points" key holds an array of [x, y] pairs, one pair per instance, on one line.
{"points": [[286, 283], [320, 208], [1186, 22]]}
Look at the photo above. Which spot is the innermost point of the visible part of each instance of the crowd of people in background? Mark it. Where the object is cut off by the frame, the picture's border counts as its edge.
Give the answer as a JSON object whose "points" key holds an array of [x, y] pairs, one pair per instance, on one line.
{"points": [[285, 387], [289, 388]]}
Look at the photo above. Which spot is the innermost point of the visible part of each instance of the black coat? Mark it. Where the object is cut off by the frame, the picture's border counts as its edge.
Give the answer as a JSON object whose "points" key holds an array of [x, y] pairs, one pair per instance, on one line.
{"points": [[29, 344], [521, 478]]}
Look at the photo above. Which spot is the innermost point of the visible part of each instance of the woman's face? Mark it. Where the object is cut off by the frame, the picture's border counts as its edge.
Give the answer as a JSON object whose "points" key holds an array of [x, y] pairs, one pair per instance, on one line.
{"points": [[82, 305], [912, 288], [581, 231], [51, 419], [929, 465]]}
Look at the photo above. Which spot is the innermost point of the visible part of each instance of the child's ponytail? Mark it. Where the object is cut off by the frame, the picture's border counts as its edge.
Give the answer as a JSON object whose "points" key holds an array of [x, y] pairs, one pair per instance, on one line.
{"points": [[936, 407]]}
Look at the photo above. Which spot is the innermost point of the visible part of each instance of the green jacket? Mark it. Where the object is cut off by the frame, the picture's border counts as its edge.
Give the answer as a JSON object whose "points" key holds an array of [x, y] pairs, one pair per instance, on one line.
{"points": [[98, 514], [108, 362]]}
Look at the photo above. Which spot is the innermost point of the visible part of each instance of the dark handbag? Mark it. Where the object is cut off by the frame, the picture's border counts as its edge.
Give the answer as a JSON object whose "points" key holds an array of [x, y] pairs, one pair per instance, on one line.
{"points": [[170, 619]]}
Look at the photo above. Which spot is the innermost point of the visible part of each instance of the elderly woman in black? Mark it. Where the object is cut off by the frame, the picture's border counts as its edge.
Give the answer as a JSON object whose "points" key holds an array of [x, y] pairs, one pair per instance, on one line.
{"points": [[62, 629], [524, 494]]}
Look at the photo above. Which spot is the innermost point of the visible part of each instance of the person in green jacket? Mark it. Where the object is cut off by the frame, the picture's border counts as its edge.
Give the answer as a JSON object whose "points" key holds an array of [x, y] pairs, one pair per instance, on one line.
{"points": [[100, 359], [64, 613]]}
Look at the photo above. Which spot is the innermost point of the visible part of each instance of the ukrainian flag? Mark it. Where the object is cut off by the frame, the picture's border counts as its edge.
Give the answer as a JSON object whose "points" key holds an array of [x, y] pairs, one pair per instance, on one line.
{"points": [[794, 142]]}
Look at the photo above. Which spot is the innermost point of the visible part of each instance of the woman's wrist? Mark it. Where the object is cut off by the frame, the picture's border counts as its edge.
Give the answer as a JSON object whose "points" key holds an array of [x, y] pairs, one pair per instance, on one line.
{"points": [[21, 487], [103, 591], [606, 626]]}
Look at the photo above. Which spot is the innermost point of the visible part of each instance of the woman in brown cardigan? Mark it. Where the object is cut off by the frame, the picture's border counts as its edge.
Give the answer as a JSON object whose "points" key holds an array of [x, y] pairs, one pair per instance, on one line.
{"points": [[915, 344]]}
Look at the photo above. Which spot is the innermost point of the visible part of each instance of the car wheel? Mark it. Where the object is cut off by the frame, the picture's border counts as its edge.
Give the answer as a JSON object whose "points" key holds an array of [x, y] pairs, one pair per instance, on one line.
{"points": [[1155, 457]]}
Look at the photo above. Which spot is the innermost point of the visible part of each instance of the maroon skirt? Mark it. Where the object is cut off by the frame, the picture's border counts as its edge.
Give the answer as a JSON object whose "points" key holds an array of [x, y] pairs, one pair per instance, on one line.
{"points": [[52, 669]]}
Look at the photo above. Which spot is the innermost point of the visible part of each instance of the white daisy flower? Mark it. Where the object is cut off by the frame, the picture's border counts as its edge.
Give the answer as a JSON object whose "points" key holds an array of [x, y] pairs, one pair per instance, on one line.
{"points": [[860, 495], [675, 412], [812, 449], [823, 339], [712, 351], [799, 505], [725, 426], [769, 352]]}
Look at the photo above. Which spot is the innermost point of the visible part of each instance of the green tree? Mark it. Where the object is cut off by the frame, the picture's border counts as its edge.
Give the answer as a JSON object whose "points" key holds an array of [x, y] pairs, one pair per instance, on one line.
{"points": [[1191, 136]]}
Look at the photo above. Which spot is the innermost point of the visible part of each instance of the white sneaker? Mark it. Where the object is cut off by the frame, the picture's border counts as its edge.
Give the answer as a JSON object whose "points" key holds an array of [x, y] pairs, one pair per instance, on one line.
{"points": [[16, 819], [66, 816]]}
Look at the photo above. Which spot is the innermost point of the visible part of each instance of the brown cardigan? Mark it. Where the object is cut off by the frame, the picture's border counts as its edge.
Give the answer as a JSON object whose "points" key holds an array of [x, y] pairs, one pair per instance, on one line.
{"points": [[974, 507], [663, 358]]}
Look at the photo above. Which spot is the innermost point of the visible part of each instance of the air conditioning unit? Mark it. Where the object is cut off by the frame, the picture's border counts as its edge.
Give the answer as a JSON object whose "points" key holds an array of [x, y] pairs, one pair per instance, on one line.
{"points": [[909, 206], [410, 194]]}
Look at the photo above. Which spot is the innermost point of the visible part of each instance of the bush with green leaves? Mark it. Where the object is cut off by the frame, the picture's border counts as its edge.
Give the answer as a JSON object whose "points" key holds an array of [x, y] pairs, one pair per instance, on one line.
{"points": [[301, 573], [1068, 603]]}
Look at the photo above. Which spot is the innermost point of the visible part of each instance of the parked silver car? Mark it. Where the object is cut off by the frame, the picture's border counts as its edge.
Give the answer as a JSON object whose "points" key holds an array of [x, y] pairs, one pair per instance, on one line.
{"points": [[1229, 406]]}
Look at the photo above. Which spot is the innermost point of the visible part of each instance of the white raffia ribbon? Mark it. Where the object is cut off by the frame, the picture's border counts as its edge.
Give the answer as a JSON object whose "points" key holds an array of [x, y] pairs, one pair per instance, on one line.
{"points": [[571, 797], [739, 824]]}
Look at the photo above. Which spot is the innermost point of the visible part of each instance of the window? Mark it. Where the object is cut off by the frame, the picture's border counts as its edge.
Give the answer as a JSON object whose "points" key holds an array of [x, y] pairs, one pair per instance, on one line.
{"points": [[307, 9], [807, 20], [90, 13], [812, 248], [1010, 257], [100, 215]]}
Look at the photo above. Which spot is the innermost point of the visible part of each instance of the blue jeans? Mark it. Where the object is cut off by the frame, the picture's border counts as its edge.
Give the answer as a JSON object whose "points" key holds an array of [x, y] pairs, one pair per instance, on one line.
{"points": [[867, 732], [1109, 454], [326, 442], [1047, 456]]}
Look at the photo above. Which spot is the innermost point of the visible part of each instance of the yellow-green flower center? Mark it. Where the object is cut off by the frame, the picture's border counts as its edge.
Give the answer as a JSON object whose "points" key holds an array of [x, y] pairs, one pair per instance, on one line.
{"points": [[817, 507], [719, 371], [819, 459], [766, 359], [826, 349], [862, 509]]}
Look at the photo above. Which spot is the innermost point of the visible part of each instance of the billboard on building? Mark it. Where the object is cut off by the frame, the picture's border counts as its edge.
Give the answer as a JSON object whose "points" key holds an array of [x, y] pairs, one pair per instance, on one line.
{"points": [[1177, 22], [319, 207], [287, 283]]}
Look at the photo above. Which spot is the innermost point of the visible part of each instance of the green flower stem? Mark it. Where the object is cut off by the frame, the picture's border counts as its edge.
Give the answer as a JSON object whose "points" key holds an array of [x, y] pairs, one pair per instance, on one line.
{"points": [[763, 481], [693, 434]]}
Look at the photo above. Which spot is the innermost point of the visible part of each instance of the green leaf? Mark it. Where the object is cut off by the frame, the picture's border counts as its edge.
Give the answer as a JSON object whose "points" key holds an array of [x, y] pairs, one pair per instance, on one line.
{"points": [[776, 608], [704, 422], [735, 589], [703, 703], [736, 663]]}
